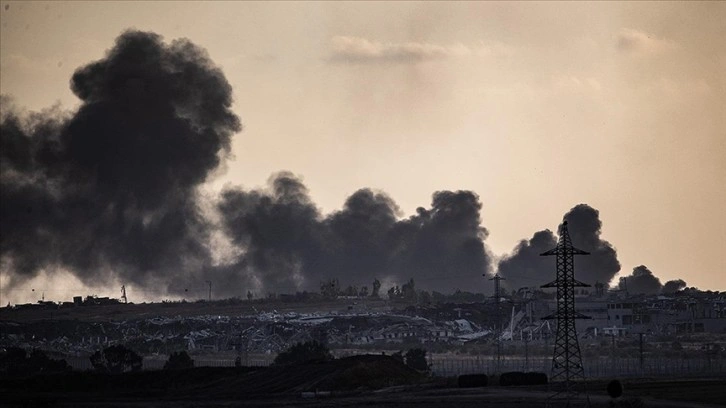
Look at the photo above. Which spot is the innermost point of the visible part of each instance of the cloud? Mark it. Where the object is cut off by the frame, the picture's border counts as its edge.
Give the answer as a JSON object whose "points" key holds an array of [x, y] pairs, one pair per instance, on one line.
{"points": [[634, 41], [361, 50]]}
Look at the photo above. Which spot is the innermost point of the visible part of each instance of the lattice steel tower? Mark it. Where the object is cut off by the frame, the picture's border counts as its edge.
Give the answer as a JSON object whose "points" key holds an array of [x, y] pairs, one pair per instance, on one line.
{"points": [[568, 375]]}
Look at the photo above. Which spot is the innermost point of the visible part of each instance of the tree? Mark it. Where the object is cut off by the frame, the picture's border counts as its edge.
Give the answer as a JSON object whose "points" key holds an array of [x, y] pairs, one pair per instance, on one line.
{"points": [[15, 361], [376, 288], [398, 356], [416, 359], [304, 353], [351, 291], [363, 292], [408, 290], [330, 289], [615, 388], [179, 361], [116, 360]]}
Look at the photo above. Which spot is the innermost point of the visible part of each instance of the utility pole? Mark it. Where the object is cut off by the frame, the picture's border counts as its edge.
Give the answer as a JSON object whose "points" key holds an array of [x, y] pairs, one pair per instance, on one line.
{"points": [[641, 350], [210, 289], [568, 374], [526, 352]]}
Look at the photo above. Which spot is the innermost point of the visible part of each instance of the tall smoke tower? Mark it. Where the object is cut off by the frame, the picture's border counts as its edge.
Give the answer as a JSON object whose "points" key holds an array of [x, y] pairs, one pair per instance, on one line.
{"points": [[568, 375]]}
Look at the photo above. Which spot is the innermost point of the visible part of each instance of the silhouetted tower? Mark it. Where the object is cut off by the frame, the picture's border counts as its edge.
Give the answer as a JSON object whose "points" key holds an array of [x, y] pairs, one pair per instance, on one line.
{"points": [[123, 294], [568, 375], [497, 296], [498, 315]]}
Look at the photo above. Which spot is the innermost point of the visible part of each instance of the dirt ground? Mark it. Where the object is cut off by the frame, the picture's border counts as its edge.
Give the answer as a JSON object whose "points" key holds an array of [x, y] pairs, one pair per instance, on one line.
{"points": [[701, 393]]}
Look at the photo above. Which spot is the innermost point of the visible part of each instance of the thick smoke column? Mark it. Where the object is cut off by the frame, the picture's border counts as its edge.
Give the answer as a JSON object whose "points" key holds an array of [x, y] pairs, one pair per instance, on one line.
{"points": [[288, 244], [585, 228], [641, 281], [280, 234], [111, 189], [524, 267]]}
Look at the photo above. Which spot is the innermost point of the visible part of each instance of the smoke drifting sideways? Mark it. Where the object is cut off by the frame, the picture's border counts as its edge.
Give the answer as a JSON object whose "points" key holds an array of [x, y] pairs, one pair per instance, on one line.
{"points": [[525, 268], [110, 190], [290, 246]]}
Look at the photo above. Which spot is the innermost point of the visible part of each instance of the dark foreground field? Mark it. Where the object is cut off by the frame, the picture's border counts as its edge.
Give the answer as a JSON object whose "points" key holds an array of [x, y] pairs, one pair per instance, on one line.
{"points": [[362, 381]]}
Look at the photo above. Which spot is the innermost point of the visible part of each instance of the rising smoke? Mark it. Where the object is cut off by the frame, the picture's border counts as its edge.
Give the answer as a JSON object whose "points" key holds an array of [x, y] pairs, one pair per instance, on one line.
{"points": [[289, 245], [524, 266], [641, 281], [673, 286], [110, 190]]}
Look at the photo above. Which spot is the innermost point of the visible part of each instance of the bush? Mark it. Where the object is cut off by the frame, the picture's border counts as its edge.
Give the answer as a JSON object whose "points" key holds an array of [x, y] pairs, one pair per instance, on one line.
{"points": [[520, 378], [16, 361], [416, 359], [178, 361], [304, 353], [615, 389], [116, 360], [472, 380], [398, 356]]}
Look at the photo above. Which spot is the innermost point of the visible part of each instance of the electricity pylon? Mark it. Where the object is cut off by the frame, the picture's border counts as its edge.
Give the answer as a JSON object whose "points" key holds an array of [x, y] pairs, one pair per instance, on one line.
{"points": [[567, 378]]}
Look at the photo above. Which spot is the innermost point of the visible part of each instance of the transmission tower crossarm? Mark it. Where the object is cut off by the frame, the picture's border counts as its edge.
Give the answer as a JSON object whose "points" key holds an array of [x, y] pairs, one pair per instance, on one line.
{"points": [[574, 284], [552, 284], [577, 284], [557, 250], [573, 315]]}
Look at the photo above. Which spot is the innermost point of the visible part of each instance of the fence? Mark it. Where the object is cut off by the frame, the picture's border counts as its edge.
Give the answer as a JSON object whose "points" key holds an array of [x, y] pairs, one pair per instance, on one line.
{"points": [[448, 365], [157, 362], [602, 367]]}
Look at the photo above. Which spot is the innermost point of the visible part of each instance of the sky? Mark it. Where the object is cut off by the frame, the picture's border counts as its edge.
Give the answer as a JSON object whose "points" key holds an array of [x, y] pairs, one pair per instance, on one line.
{"points": [[535, 107]]}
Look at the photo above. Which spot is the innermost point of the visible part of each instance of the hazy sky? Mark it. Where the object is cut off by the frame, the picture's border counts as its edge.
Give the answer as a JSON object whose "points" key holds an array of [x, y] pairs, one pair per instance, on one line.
{"points": [[536, 107]]}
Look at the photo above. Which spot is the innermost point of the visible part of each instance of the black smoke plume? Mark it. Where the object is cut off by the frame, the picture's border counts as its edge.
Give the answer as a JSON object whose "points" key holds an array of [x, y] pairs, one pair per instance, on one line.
{"points": [[288, 244], [524, 267], [585, 227], [110, 190], [641, 281], [673, 286]]}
